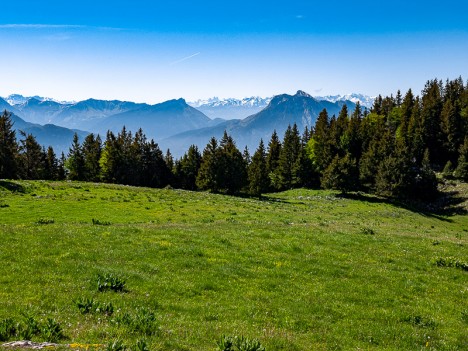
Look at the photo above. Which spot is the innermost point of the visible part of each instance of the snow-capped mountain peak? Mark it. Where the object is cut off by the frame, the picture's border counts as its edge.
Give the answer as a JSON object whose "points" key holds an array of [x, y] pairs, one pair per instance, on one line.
{"points": [[364, 100], [254, 101], [18, 99]]}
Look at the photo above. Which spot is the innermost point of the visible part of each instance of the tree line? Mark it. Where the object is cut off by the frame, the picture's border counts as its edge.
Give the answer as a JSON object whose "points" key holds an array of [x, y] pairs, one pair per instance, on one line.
{"points": [[391, 150]]}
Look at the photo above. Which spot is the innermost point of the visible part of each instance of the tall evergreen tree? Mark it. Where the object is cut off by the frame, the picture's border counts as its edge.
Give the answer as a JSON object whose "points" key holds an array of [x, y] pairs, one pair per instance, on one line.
{"points": [[91, 150], [76, 161], [207, 178], [461, 171], [32, 158], [258, 172], [273, 155], [342, 174], [187, 168], [318, 147], [8, 148], [51, 170], [288, 171], [232, 173]]}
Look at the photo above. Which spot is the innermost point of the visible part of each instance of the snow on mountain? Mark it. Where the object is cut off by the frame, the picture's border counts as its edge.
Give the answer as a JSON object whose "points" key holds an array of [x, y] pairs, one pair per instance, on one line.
{"points": [[364, 100], [18, 99], [254, 101]]}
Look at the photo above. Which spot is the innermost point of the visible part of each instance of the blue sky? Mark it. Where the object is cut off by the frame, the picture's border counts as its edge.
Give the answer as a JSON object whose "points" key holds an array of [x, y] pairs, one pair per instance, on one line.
{"points": [[151, 51]]}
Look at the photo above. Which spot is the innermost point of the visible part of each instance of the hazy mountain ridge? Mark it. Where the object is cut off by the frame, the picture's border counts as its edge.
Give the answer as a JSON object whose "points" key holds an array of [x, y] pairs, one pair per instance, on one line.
{"points": [[283, 110]]}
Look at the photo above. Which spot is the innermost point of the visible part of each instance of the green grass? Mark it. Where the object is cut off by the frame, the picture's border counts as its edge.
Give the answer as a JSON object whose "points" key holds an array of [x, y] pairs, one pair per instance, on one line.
{"points": [[300, 270]]}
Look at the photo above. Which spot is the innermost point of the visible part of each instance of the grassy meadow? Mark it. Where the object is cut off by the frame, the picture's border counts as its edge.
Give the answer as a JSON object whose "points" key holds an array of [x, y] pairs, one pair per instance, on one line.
{"points": [[298, 270]]}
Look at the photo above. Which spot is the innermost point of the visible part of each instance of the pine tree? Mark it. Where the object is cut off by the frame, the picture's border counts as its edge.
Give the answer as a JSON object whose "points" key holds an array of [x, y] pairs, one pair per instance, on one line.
{"points": [[32, 158], [342, 174], [424, 185], [207, 178], [318, 147], [231, 172], [76, 161], [187, 168], [461, 172], [258, 173], [287, 172], [273, 155], [8, 148], [51, 171], [91, 150]]}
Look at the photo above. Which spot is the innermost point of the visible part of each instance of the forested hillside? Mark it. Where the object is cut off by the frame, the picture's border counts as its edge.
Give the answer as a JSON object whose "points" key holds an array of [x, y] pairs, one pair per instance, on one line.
{"points": [[391, 150]]}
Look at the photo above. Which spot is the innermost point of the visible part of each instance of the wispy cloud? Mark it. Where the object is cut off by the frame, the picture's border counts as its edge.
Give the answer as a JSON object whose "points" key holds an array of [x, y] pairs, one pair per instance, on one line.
{"points": [[184, 59], [299, 17], [52, 26]]}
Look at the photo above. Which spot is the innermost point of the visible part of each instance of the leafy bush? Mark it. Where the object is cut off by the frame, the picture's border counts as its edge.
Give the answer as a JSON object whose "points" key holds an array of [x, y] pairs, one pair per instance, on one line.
{"points": [[45, 221], [367, 231], [143, 321], [450, 262], [52, 331], [88, 305], [98, 222], [7, 329], [141, 345], [229, 343], [116, 345], [29, 328], [110, 281]]}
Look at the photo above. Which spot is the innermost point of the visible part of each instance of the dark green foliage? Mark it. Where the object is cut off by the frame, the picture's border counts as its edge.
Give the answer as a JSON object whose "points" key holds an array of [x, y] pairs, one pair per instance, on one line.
{"points": [[236, 343], [89, 305], [32, 158], [8, 148], [461, 171], [231, 169], [342, 174], [207, 178], [142, 321], [141, 345], [7, 329], [288, 171], [258, 173], [110, 281], [45, 221], [99, 222], [447, 172], [186, 169], [272, 160], [76, 161], [92, 149], [116, 345], [451, 262], [52, 331]]}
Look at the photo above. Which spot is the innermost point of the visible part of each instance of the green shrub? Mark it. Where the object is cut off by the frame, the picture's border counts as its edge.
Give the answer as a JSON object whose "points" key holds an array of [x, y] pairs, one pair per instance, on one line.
{"points": [[110, 281], [98, 222], [7, 329], [229, 343], [450, 262], [45, 221], [367, 231], [29, 328], [85, 305], [141, 345], [52, 331], [116, 345], [143, 321]]}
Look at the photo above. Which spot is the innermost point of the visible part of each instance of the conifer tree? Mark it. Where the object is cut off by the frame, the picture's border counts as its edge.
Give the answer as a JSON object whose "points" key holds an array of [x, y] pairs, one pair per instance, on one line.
{"points": [[461, 171], [207, 178], [273, 155], [258, 173], [76, 161], [318, 147], [231, 173], [342, 174], [287, 172], [92, 149], [187, 168], [32, 158], [51, 169], [8, 148]]}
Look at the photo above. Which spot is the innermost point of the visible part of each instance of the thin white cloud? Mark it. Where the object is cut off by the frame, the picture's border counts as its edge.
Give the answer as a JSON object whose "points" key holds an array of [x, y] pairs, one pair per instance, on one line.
{"points": [[51, 26], [184, 59]]}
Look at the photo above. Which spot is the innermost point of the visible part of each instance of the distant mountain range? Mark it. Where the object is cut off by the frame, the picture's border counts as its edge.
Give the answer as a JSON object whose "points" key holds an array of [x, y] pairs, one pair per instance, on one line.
{"points": [[174, 124], [282, 110]]}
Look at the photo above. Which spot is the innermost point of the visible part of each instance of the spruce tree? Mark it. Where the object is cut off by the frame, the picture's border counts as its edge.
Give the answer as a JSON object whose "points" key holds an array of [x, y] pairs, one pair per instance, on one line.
{"points": [[187, 168], [76, 161], [461, 172], [258, 173], [32, 158], [318, 147], [288, 171], [51, 171], [8, 148], [232, 172], [273, 155], [207, 178], [92, 149], [342, 174]]}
